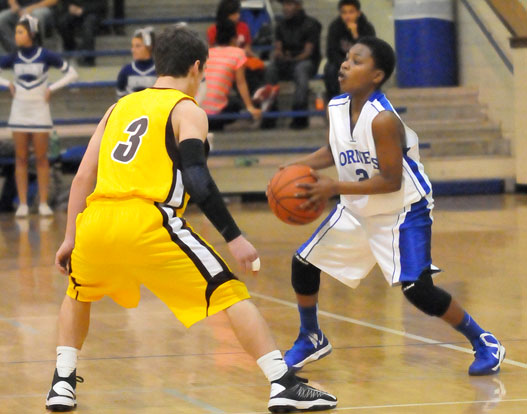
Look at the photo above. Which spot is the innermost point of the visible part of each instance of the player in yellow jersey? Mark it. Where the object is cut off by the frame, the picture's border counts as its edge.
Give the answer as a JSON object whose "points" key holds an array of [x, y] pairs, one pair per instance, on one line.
{"points": [[148, 156]]}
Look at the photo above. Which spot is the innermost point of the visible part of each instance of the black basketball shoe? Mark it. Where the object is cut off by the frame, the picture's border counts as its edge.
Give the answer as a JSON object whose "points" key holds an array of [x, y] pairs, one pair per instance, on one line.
{"points": [[290, 393], [61, 396]]}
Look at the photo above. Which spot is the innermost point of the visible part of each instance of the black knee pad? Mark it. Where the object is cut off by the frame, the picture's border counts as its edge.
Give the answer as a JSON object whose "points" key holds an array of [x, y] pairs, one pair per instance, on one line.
{"points": [[305, 277], [425, 296]]}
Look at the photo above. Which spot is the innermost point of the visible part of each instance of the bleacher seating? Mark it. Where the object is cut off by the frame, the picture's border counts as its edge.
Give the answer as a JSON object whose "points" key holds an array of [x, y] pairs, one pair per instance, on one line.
{"points": [[450, 121]]}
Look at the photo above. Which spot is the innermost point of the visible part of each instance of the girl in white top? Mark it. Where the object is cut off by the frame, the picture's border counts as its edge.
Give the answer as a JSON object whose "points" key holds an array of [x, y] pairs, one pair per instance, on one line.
{"points": [[30, 116]]}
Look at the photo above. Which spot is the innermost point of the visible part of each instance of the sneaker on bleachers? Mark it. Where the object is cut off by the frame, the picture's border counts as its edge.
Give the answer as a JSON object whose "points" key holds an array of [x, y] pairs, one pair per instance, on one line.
{"points": [[262, 93], [269, 95], [308, 347]]}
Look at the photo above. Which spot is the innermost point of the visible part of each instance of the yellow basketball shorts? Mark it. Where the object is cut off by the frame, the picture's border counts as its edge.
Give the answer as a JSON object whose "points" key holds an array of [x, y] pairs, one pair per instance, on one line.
{"points": [[123, 244]]}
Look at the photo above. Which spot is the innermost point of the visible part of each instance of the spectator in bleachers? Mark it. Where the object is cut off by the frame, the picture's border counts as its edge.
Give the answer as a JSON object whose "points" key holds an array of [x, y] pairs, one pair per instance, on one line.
{"points": [[30, 117], [230, 10], [84, 16], [226, 65], [141, 73], [40, 9], [296, 56], [343, 33]]}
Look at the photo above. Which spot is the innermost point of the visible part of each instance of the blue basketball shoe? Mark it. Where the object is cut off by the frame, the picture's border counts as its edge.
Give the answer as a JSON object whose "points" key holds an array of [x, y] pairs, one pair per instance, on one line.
{"points": [[488, 353], [308, 347]]}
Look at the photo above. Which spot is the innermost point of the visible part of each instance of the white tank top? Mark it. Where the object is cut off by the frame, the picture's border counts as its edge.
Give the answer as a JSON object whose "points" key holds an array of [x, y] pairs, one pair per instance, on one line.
{"points": [[355, 157]]}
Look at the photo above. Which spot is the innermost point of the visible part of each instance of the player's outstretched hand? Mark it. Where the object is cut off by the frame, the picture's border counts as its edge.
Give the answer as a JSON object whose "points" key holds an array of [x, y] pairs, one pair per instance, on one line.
{"points": [[316, 193], [244, 253], [62, 258]]}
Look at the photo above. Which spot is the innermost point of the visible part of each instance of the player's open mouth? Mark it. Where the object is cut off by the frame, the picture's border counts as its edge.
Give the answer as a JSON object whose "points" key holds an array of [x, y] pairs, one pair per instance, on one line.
{"points": [[341, 77]]}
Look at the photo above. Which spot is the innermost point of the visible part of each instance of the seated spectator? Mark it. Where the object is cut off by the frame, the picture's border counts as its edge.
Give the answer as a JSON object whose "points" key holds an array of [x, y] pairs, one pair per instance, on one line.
{"points": [[230, 10], [141, 73], [226, 65], [84, 15], [343, 33], [41, 9], [296, 56]]}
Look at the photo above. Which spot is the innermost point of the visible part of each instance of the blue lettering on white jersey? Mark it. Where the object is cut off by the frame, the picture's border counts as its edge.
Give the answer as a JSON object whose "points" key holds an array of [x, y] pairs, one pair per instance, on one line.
{"points": [[355, 157]]}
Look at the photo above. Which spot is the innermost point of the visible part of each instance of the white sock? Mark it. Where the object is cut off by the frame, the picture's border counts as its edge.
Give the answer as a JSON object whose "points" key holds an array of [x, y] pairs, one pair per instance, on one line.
{"points": [[66, 360], [272, 365]]}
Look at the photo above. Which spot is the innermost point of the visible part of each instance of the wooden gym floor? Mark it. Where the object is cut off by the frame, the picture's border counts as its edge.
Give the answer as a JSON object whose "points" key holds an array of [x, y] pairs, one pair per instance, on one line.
{"points": [[387, 357]]}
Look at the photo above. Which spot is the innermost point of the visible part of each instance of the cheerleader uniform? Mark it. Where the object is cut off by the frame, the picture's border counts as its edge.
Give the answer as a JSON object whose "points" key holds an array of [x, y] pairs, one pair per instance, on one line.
{"points": [[29, 111], [136, 76]]}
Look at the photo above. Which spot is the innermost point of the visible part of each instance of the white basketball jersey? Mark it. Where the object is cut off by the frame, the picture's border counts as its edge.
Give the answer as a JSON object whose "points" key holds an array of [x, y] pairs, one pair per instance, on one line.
{"points": [[355, 157]]}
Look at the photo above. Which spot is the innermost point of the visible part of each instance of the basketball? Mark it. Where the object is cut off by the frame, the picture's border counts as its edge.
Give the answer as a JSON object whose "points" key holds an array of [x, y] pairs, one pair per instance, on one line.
{"points": [[281, 195]]}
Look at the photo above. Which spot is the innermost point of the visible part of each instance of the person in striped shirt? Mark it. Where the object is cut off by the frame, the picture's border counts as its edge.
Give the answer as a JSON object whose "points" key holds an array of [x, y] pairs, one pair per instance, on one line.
{"points": [[226, 66]]}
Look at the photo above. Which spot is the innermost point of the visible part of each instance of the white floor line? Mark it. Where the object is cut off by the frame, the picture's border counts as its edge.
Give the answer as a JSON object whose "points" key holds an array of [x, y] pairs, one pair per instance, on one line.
{"points": [[430, 404], [382, 328]]}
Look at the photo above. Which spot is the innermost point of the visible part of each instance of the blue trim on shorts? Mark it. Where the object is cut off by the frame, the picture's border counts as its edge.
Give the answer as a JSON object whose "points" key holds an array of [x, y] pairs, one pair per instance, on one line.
{"points": [[299, 250], [415, 241]]}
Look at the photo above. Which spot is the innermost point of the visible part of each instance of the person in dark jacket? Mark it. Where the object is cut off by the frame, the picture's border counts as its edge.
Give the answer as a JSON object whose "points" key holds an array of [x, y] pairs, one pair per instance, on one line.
{"points": [[12, 10], [296, 54], [343, 33], [85, 15]]}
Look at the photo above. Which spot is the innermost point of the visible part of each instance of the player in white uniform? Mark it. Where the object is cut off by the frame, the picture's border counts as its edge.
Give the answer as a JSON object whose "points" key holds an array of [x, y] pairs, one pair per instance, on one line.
{"points": [[384, 215], [30, 116]]}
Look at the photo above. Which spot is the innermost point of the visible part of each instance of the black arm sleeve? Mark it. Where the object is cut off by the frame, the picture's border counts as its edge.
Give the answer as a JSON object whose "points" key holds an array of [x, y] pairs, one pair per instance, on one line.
{"points": [[203, 190]]}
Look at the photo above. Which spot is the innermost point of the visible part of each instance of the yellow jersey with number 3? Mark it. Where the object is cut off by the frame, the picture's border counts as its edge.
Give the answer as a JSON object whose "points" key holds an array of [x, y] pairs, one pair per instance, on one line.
{"points": [[138, 156]]}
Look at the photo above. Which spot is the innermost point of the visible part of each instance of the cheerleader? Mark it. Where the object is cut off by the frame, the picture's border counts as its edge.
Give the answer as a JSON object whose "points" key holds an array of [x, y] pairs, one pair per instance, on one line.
{"points": [[30, 117], [141, 73]]}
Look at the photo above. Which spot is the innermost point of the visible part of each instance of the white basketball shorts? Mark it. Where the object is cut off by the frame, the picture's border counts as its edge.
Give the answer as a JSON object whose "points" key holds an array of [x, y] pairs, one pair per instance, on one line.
{"points": [[347, 247]]}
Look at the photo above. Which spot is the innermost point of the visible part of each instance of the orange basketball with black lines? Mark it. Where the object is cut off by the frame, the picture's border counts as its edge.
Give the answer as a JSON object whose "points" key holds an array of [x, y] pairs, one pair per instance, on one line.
{"points": [[281, 195]]}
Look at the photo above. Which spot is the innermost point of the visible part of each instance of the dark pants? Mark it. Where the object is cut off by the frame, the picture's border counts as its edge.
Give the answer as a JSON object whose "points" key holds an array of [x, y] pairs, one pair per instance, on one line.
{"points": [[233, 105], [255, 79], [299, 72], [118, 9], [118, 13], [87, 25], [331, 73]]}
